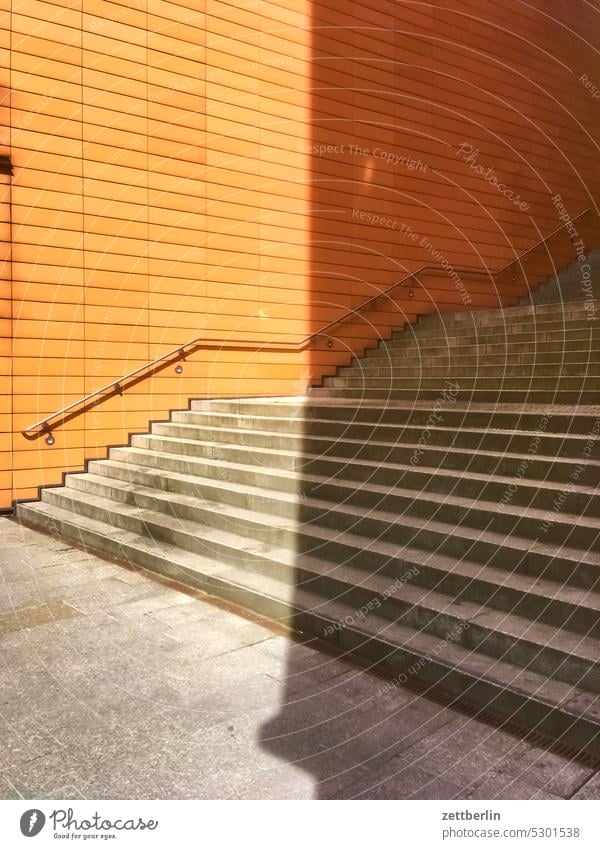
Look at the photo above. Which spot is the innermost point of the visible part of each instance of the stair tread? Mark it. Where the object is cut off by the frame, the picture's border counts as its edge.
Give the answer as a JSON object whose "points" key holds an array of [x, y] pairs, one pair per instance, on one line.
{"points": [[502, 378], [471, 349], [347, 483], [443, 528], [391, 404], [583, 364], [311, 424], [359, 511], [518, 396], [484, 336], [326, 504], [425, 645], [521, 309], [359, 442], [475, 612], [400, 467], [470, 569], [517, 327], [503, 319], [548, 691]]}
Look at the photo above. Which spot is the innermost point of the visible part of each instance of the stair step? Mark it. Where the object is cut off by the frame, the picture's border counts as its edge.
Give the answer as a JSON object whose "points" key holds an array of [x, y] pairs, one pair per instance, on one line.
{"points": [[503, 324], [584, 330], [551, 601], [477, 355], [556, 295], [497, 633], [286, 451], [589, 382], [563, 444], [198, 525], [549, 527], [531, 312], [549, 706], [562, 418], [541, 495], [505, 396], [460, 348], [527, 341], [376, 482], [455, 370]]}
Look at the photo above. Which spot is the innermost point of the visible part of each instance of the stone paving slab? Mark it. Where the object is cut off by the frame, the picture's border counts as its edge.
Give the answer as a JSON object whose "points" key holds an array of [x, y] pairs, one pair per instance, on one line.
{"points": [[406, 781], [590, 790], [475, 754], [117, 684]]}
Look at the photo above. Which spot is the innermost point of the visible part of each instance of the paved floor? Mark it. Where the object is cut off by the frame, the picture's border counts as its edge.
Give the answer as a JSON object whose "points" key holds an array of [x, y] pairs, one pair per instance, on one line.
{"points": [[116, 685]]}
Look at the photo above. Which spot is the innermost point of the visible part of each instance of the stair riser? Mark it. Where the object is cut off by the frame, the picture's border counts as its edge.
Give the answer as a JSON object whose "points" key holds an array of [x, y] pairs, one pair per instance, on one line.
{"points": [[557, 296], [571, 287], [441, 357], [529, 604], [172, 535], [296, 509], [210, 583], [570, 322], [456, 371], [583, 338], [504, 396], [481, 551], [430, 540], [587, 383], [197, 466], [574, 274], [456, 358], [564, 446], [549, 345], [569, 422], [492, 642], [264, 451], [577, 503], [525, 312], [302, 538], [568, 291], [562, 666]]}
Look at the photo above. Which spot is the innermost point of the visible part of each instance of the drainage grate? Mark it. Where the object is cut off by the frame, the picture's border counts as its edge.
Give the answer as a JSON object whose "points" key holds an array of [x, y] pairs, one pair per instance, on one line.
{"points": [[534, 737]]}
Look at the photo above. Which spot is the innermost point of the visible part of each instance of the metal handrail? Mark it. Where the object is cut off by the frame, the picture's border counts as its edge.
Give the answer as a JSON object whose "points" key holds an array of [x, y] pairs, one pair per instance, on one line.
{"points": [[36, 430]]}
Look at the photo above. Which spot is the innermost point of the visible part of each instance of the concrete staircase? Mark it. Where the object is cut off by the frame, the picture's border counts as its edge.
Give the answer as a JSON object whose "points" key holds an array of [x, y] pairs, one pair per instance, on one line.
{"points": [[433, 509], [579, 282]]}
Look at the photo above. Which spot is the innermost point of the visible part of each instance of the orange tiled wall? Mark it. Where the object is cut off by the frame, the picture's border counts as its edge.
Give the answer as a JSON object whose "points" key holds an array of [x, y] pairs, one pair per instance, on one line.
{"points": [[168, 183], [129, 237], [400, 89], [5, 347]]}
